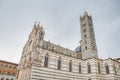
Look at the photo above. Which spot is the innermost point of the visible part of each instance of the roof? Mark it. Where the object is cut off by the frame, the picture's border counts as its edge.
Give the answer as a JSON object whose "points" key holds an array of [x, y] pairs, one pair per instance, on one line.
{"points": [[8, 62]]}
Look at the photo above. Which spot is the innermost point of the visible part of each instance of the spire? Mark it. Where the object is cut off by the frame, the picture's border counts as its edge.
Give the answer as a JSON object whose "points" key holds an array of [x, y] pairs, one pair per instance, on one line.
{"points": [[80, 16], [42, 25], [85, 13], [35, 23], [38, 24]]}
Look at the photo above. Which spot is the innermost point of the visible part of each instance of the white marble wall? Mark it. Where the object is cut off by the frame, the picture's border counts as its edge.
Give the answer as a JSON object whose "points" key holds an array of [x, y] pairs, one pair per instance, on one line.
{"points": [[51, 73]]}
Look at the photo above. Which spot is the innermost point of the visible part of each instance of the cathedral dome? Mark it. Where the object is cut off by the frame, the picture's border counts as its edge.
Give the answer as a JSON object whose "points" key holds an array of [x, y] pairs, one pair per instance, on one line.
{"points": [[77, 49]]}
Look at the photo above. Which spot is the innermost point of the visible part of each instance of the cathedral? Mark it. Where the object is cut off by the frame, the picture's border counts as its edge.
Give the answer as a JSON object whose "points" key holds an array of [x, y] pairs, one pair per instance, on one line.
{"points": [[44, 60]]}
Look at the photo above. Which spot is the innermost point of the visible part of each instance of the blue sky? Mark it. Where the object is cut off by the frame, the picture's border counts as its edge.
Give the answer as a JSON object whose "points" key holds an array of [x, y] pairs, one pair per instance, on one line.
{"points": [[60, 19]]}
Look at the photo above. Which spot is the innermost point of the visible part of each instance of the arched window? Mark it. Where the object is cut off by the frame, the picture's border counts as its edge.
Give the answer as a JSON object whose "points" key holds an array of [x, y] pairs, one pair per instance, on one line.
{"points": [[107, 69], [59, 63], [13, 74], [46, 61], [3, 73], [6, 66], [89, 68], [1, 65], [14, 67], [10, 67], [99, 68], [79, 67], [70, 66], [115, 69]]}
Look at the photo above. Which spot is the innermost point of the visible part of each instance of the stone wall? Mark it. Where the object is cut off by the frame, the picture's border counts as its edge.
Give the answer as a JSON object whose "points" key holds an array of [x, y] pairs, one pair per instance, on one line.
{"points": [[52, 73]]}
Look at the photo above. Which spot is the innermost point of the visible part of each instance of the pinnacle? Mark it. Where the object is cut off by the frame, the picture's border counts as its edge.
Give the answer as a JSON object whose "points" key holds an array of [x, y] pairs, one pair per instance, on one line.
{"points": [[37, 24]]}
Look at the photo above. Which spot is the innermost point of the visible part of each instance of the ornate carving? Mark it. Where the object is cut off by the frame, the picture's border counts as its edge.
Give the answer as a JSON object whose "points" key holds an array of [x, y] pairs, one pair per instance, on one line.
{"points": [[41, 33]]}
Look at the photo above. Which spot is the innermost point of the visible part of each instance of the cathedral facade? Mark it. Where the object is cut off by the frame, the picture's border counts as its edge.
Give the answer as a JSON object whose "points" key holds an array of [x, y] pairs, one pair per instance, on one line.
{"points": [[43, 60]]}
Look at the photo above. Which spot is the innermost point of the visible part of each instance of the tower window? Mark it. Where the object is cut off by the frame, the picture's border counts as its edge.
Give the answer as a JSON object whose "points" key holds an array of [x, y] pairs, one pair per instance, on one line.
{"points": [[91, 30], [85, 36], [85, 42], [94, 47], [59, 64], [70, 66], [84, 30], [107, 69], [84, 24], [46, 61], [92, 35], [86, 47]]}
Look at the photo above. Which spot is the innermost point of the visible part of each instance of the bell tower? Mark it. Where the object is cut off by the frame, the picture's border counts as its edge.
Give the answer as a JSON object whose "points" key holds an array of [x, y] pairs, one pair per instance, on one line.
{"points": [[88, 43]]}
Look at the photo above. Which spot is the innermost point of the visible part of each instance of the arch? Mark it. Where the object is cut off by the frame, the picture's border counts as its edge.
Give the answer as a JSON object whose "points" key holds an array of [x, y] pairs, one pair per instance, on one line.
{"points": [[46, 60], [59, 63], [89, 68], [107, 69], [70, 66]]}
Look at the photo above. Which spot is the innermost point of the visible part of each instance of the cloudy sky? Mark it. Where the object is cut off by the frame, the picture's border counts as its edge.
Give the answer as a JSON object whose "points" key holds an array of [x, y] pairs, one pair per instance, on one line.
{"points": [[60, 19]]}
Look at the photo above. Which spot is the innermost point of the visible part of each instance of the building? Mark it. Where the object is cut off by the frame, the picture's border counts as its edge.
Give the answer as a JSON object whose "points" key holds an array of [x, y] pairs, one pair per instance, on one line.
{"points": [[8, 70], [43, 60]]}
